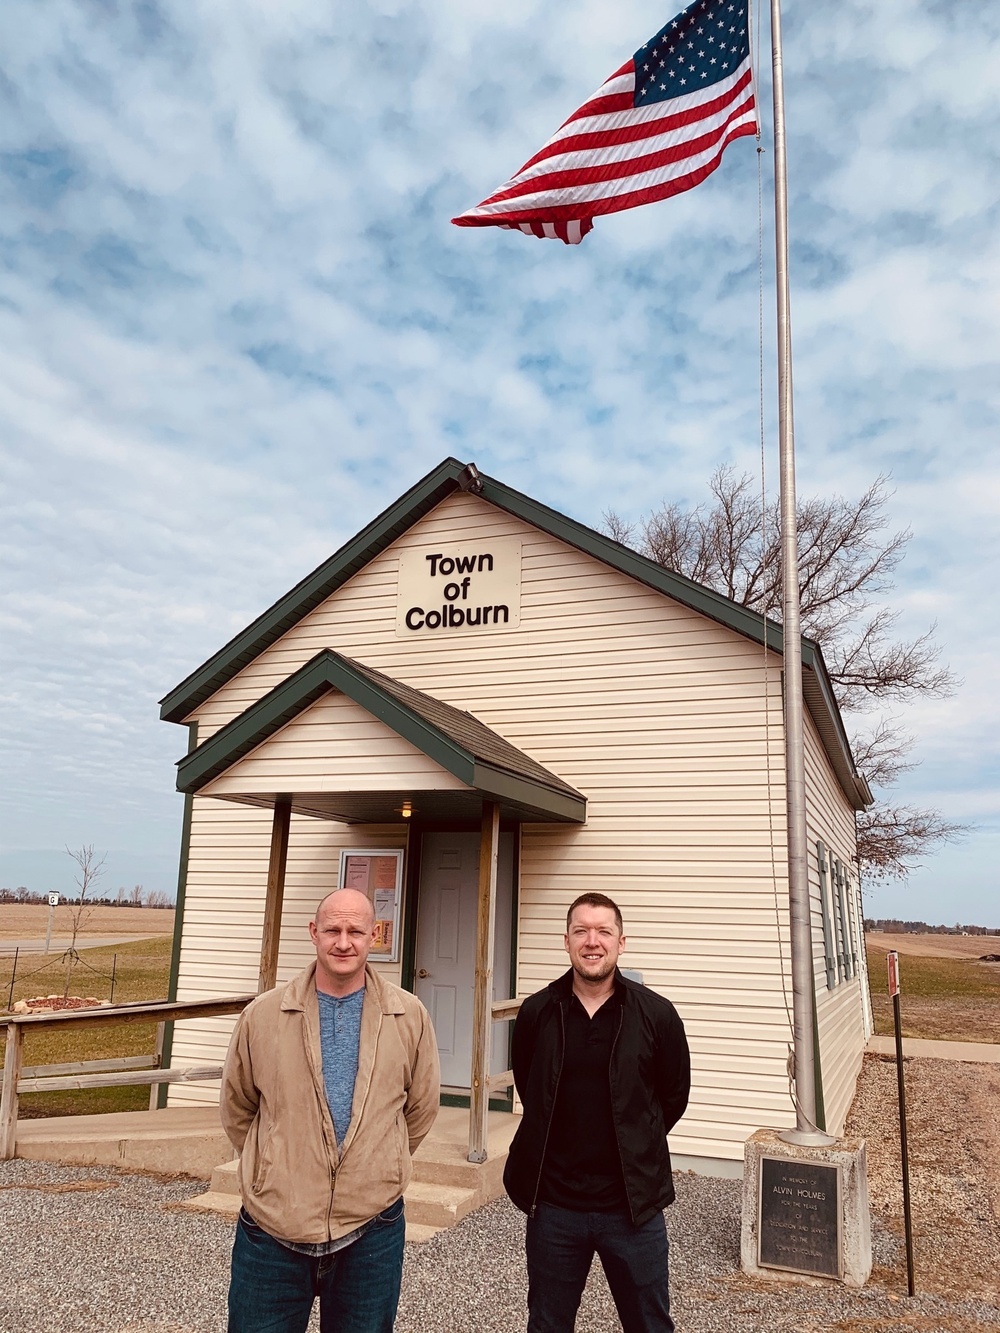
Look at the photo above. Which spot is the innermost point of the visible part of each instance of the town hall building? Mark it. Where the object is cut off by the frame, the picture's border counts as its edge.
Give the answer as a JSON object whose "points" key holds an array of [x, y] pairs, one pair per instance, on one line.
{"points": [[474, 711]]}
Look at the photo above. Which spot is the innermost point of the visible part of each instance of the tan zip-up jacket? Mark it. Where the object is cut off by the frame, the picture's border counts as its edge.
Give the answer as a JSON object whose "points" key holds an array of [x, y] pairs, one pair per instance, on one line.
{"points": [[294, 1182]]}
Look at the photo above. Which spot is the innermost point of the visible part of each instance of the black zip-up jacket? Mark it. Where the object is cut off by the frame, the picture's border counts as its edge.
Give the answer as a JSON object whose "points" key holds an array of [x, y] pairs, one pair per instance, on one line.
{"points": [[650, 1082]]}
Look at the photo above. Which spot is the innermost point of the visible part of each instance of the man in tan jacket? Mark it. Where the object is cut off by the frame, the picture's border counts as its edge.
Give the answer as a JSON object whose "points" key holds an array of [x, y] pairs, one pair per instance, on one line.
{"points": [[330, 1084]]}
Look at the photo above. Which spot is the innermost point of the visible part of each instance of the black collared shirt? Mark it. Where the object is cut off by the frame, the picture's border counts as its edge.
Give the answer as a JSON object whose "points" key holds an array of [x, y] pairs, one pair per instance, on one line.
{"points": [[582, 1169]]}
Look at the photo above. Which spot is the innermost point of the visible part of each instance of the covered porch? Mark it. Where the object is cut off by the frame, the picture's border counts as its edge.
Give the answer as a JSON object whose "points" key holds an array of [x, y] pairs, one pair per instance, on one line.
{"points": [[339, 741]]}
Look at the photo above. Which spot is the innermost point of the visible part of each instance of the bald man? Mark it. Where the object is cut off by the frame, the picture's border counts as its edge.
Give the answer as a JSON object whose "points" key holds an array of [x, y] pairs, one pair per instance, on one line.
{"points": [[330, 1084]]}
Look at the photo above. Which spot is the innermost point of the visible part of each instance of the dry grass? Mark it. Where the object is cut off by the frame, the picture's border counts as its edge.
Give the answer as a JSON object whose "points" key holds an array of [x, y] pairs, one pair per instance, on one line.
{"points": [[943, 998], [141, 973], [28, 921], [933, 946], [87, 1186], [954, 1140], [904, 1320]]}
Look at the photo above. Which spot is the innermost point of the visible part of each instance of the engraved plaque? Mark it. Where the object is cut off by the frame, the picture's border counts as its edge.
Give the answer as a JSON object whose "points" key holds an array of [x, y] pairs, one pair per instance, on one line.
{"points": [[799, 1223]]}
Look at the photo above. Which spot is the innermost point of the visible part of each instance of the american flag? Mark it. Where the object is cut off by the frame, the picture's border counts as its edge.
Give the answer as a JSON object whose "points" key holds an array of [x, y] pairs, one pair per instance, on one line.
{"points": [[657, 127]]}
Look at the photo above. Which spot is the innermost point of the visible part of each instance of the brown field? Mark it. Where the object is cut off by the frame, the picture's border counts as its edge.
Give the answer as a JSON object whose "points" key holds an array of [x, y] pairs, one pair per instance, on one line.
{"points": [[945, 995], [25, 921], [934, 946]]}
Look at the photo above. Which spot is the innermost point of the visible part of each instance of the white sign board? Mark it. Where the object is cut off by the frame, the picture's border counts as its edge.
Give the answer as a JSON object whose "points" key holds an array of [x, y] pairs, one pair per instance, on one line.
{"points": [[460, 588], [53, 900]]}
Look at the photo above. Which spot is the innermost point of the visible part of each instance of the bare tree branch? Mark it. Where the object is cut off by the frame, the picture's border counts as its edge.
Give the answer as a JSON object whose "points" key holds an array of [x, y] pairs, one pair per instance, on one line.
{"points": [[846, 563], [891, 838], [869, 666], [881, 753], [90, 868], [617, 528]]}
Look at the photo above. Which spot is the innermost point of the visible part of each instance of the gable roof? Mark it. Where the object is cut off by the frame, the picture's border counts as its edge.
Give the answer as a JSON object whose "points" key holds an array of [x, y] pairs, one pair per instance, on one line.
{"points": [[454, 739], [444, 480]]}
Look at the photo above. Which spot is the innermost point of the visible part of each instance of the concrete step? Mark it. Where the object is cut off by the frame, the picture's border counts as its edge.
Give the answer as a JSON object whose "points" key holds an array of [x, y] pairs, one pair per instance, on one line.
{"points": [[225, 1178], [438, 1205], [428, 1204], [442, 1158], [187, 1140], [417, 1233], [227, 1205]]}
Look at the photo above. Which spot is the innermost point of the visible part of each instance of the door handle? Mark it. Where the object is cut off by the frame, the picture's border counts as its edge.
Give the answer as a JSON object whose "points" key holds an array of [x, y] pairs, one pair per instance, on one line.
{"points": [[423, 973]]}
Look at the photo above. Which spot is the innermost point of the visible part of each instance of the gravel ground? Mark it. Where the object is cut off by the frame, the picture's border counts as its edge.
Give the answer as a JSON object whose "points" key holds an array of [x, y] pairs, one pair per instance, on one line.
{"points": [[88, 1250]]}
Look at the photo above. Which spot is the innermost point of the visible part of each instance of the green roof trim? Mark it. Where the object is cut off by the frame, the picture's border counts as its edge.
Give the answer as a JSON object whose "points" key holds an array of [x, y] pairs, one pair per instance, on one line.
{"points": [[455, 740], [452, 475], [313, 589]]}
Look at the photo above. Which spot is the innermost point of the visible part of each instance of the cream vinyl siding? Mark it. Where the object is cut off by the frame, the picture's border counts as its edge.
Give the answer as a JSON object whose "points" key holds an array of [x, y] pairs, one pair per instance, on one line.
{"points": [[843, 1015], [335, 745], [224, 914], [666, 721]]}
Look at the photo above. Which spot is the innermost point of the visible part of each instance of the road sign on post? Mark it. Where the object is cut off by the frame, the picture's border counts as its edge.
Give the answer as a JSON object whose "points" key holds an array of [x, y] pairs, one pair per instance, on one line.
{"points": [[53, 904]]}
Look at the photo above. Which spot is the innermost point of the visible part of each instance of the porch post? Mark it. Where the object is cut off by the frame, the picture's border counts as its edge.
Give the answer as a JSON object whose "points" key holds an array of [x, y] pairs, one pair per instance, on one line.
{"points": [[270, 937], [482, 1002], [8, 1097]]}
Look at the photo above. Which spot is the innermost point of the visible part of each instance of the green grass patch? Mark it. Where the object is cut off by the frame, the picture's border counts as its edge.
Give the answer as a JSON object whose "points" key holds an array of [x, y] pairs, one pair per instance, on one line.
{"points": [[939, 978], [941, 999], [142, 971]]}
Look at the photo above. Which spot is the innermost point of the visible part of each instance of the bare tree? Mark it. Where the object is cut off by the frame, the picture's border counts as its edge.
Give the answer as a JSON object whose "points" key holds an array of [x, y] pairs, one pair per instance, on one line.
{"points": [[90, 868], [846, 562], [136, 896]]}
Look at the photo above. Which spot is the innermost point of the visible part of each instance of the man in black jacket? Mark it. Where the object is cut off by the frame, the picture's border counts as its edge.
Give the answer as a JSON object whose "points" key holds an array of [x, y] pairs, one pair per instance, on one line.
{"points": [[601, 1066]]}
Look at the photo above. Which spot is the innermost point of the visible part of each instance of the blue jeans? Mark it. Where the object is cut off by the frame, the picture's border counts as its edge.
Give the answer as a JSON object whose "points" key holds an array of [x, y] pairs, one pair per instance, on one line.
{"points": [[273, 1288], [560, 1247]]}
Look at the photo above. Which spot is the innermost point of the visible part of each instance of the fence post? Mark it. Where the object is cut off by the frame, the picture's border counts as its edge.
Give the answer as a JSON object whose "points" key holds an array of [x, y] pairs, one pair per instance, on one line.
{"points": [[10, 997], [8, 1097], [154, 1088]]}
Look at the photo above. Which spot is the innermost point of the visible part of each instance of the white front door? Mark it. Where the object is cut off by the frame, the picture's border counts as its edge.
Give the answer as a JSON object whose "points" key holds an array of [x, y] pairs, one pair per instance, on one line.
{"points": [[445, 957]]}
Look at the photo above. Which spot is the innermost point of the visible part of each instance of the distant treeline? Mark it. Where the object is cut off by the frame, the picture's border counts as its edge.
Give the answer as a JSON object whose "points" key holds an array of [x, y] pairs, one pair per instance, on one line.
{"points": [[134, 897], [892, 926]]}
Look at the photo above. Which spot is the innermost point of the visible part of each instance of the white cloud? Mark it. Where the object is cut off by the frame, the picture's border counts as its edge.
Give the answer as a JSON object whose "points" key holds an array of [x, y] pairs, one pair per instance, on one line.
{"points": [[236, 323]]}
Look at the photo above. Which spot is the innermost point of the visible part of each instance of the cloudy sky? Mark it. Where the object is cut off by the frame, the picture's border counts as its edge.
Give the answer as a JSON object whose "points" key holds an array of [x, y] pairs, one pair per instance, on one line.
{"points": [[236, 323]]}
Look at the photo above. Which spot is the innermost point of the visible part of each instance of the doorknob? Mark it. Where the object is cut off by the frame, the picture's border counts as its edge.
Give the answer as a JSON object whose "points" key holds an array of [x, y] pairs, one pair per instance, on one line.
{"points": [[423, 973]]}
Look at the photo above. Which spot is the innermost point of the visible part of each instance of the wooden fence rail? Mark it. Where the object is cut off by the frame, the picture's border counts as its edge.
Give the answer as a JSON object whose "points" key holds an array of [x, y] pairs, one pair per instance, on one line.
{"points": [[97, 1073], [90, 1066]]}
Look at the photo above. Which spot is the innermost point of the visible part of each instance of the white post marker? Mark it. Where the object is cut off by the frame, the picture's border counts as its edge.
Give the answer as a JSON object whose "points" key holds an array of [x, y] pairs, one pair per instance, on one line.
{"points": [[53, 904], [892, 963]]}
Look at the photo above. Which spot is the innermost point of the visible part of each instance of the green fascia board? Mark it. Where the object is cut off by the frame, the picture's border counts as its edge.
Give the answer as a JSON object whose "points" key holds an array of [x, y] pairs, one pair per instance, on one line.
{"points": [[310, 592], [420, 500], [321, 673], [504, 786], [639, 567], [751, 624], [327, 670]]}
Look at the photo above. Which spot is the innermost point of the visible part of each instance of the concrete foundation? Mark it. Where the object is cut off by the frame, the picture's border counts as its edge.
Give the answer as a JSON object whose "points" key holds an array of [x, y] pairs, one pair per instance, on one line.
{"points": [[188, 1140], [803, 1228]]}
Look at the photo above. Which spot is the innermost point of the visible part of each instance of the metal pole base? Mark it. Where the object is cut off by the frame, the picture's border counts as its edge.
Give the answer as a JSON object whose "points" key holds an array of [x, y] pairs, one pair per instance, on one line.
{"points": [[806, 1138]]}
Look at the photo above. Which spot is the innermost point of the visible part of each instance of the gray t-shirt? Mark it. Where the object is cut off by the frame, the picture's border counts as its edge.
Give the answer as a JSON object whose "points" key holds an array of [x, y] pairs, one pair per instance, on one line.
{"points": [[340, 1039]]}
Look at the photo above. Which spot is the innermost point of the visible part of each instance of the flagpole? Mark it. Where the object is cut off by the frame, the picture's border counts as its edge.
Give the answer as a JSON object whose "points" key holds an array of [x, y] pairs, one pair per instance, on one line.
{"points": [[799, 909]]}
